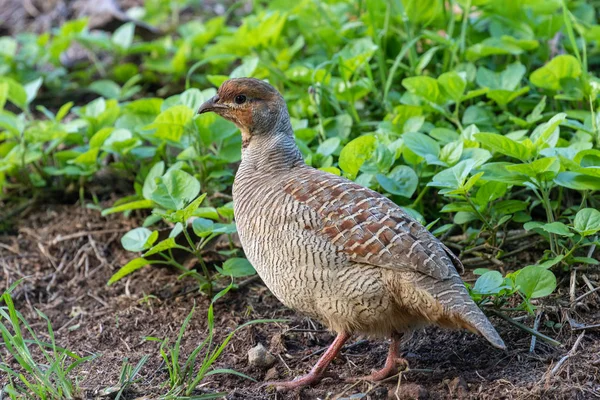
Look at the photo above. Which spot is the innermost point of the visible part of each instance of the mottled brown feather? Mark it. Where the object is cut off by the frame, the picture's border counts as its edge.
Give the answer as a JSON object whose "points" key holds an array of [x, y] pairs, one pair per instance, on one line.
{"points": [[371, 229]]}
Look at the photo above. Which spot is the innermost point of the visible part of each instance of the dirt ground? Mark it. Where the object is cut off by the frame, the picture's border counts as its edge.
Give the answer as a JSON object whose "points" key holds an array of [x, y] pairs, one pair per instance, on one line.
{"points": [[67, 253]]}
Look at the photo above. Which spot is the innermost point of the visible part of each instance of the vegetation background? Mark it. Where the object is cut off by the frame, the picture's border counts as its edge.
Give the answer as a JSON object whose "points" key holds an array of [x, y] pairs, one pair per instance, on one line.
{"points": [[479, 117]]}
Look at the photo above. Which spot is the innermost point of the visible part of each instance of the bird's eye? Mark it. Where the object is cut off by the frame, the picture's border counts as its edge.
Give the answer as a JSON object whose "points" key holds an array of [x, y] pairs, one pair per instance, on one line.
{"points": [[240, 99]]}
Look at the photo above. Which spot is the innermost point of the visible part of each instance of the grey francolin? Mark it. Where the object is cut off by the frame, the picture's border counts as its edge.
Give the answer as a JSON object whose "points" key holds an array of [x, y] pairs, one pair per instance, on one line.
{"points": [[330, 248]]}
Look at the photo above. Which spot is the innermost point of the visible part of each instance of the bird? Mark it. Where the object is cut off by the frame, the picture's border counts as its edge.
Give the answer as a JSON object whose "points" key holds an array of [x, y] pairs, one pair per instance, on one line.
{"points": [[332, 249]]}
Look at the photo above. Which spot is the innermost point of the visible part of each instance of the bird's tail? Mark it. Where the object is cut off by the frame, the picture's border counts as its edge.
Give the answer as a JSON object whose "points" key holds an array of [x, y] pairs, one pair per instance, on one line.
{"points": [[464, 313], [476, 321]]}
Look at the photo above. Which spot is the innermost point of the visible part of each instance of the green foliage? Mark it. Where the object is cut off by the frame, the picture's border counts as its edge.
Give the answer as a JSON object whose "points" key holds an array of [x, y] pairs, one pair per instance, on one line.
{"points": [[45, 370], [185, 375], [484, 118]]}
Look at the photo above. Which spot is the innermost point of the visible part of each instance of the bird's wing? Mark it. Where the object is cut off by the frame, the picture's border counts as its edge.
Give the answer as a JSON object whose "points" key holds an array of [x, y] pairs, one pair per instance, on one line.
{"points": [[368, 227]]}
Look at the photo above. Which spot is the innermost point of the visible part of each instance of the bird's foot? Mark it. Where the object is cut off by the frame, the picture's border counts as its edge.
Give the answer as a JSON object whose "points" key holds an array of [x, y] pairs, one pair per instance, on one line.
{"points": [[309, 379], [389, 369]]}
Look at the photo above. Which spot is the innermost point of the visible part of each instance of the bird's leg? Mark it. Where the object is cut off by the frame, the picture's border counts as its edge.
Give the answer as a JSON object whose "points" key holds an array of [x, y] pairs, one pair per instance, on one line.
{"points": [[390, 368], [318, 371]]}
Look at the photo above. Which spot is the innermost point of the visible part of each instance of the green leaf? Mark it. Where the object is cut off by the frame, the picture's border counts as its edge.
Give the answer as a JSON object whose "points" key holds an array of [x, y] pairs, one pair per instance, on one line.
{"points": [[134, 205], [106, 88], [31, 89], [535, 282], [452, 178], [16, 92], [401, 181], [163, 245], [507, 80], [236, 267], [536, 168], [547, 134], [504, 145], [139, 239], [355, 55], [422, 11], [175, 189], [123, 35], [489, 192], [510, 206], [192, 207], [451, 152], [355, 153], [552, 75], [150, 182], [452, 85], [202, 227], [127, 269], [172, 123], [329, 146], [246, 69], [423, 86], [557, 228], [587, 221], [489, 283], [422, 145], [577, 181]]}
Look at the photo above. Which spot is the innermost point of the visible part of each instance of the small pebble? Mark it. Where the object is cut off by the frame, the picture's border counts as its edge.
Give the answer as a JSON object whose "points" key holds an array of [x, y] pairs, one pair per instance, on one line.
{"points": [[258, 356]]}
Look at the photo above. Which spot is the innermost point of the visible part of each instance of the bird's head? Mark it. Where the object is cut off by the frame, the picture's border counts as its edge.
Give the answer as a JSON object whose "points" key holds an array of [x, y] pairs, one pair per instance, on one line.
{"points": [[254, 106]]}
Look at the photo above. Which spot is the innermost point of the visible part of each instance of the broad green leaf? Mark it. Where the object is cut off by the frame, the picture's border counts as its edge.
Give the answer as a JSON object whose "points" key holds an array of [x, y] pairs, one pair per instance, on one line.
{"points": [[536, 168], [489, 283], [503, 97], [172, 123], [535, 282], [106, 88], [577, 181], [422, 11], [507, 80], [246, 69], [401, 181], [451, 152], [202, 227], [139, 239], [355, 55], [355, 153], [175, 189], [329, 146], [557, 228], [127, 269], [502, 144], [31, 89], [149, 187], [423, 86], [16, 92], [552, 75], [123, 35], [452, 178], [421, 144], [587, 221], [452, 85], [547, 134], [489, 192], [237, 267]]}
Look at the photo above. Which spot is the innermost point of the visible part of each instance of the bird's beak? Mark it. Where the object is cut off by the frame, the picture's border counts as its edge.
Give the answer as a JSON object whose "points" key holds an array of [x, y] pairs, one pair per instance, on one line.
{"points": [[211, 105]]}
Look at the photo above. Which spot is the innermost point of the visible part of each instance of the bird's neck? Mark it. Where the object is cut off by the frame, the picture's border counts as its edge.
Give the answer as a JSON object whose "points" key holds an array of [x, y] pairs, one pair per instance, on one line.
{"points": [[272, 151]]}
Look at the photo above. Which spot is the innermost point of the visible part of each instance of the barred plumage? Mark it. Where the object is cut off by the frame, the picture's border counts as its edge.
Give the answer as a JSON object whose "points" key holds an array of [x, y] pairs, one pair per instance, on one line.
{"points": [[330, 248]]}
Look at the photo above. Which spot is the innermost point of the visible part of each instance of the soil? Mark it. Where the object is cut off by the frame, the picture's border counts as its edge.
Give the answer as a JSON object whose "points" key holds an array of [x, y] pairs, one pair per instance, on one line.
{"points": [[65, 254]]}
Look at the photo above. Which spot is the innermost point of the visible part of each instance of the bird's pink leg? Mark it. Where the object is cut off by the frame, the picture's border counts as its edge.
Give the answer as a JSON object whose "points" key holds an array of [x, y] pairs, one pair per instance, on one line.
{"points": [[318, 371], [391, 364]]}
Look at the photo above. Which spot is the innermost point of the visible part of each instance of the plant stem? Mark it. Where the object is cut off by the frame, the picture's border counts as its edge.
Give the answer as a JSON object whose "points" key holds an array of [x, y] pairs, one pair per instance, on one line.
{"points": [[479, 215], [200, 260]]}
